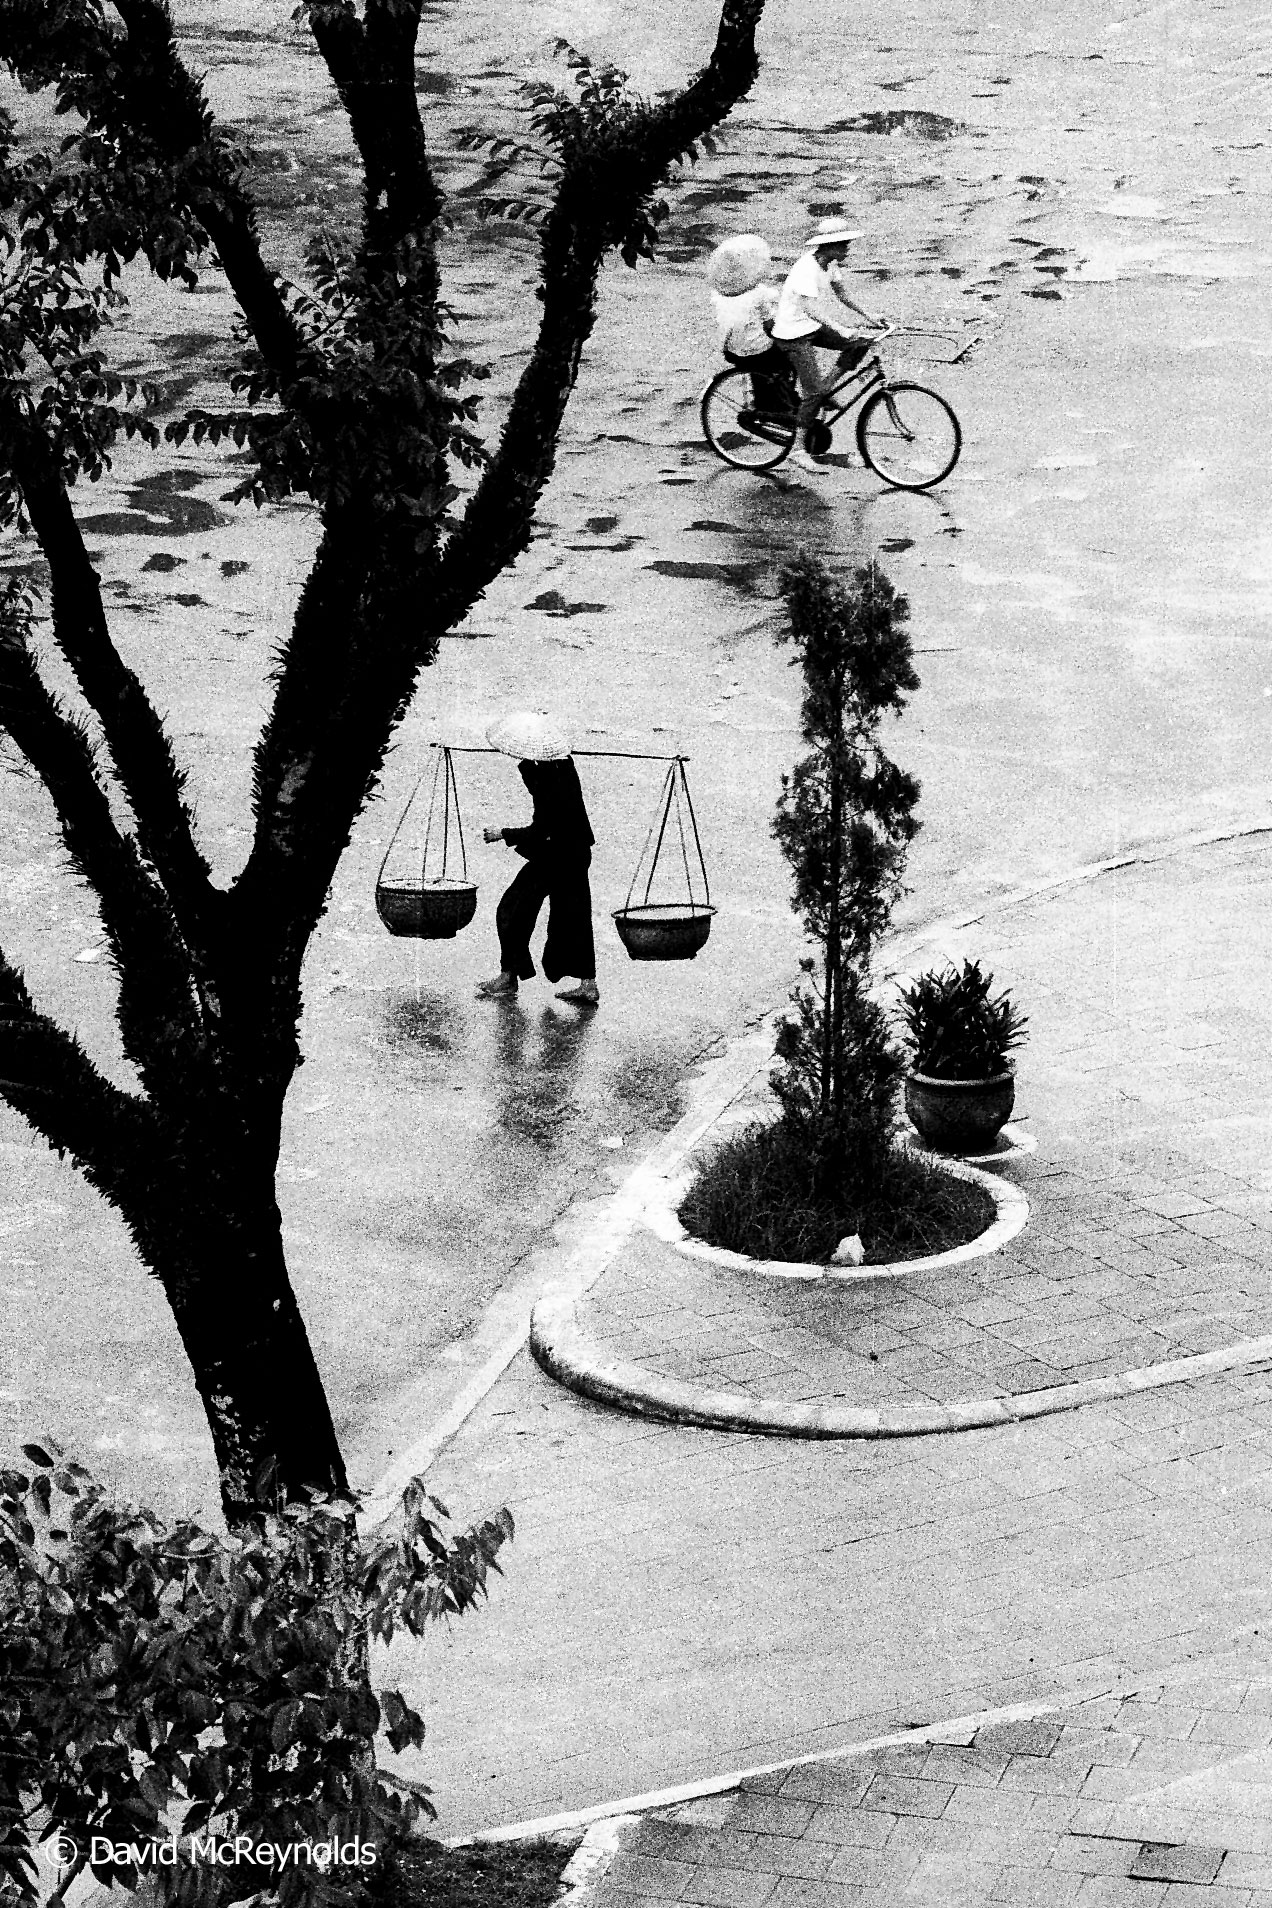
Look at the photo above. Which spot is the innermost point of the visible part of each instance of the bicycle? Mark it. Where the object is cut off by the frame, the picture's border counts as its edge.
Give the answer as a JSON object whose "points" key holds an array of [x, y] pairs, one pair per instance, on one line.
{"points": [[907, 434]]}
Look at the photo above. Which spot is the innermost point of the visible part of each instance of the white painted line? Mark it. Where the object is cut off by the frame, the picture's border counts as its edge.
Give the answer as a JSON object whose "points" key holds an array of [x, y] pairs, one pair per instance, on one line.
{"points": [[952, 1731], [1145, 857], [384, 1500]]}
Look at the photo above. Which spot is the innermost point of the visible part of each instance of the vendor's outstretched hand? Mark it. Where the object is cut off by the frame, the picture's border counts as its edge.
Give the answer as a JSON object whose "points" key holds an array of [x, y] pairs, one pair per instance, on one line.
{"points": [[492, 834]]}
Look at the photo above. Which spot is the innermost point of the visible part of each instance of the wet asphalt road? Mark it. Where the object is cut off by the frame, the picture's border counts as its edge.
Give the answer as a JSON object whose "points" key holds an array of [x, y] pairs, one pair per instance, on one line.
{"points": [[1090, 601]]}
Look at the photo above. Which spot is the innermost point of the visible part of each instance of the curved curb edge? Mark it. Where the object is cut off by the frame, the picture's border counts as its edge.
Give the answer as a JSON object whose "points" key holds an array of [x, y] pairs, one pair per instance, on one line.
{"points": [[1011, 1208], [566, 1352]]}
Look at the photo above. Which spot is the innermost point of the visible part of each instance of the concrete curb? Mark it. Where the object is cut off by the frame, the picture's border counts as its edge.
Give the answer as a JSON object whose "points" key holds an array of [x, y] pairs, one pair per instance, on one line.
{"points": [[567, 1353], [1011, 1207]]}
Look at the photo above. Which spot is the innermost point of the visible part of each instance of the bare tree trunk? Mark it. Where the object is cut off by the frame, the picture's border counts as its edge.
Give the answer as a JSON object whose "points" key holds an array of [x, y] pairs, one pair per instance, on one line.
{"points": [[217, 1250], [832, 1085]]}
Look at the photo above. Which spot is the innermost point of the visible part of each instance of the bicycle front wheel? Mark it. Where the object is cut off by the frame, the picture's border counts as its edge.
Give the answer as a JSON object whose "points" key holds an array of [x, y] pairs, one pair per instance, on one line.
{"points": [[737, 430], [909, 436]]}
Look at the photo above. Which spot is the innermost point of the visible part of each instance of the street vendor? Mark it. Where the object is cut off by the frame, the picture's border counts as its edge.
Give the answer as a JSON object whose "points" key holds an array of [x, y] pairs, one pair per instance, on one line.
{"points": [[557, 847]]}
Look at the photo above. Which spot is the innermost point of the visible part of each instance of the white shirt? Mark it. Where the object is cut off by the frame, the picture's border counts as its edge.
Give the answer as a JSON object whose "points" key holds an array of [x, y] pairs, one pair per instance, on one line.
{"points": [[808, 301], [741, 320]]}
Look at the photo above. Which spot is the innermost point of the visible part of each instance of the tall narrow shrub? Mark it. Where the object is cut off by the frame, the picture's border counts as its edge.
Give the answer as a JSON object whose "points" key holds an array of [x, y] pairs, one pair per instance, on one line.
{"points": [[844, 821]]}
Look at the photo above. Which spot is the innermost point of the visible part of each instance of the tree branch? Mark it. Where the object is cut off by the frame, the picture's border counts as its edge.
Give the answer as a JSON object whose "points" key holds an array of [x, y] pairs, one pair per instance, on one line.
{"points": [[372, 65], [139, 748], [163, 100], [158, 1015], [341, 689], [46, 1076], [597, 196], [347, 673], [134, 88]]}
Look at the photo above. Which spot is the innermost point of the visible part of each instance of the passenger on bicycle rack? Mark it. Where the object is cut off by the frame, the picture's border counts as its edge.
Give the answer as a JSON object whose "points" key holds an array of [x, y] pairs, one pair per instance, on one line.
{"points": [[811, 318], [745, 304]]}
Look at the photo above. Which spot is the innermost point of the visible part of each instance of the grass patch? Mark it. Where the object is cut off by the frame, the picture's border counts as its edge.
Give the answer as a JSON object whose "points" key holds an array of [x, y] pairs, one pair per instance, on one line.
{"points": [[425, 1874], [755, 1194]]}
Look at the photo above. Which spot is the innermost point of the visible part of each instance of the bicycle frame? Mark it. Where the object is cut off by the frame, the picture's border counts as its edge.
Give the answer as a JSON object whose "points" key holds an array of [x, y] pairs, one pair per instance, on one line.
{"points": [[864, 377], [866, 387], [870, 372]]}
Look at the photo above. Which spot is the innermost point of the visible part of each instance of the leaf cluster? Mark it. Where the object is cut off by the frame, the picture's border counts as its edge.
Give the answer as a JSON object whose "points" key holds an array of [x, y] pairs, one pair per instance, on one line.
{"points": [[955, 1030], [600, 127], [158, 1675], [71, 219], [375, 405], [845, 817], [368, 404], [54, 374], [837, 1082]]}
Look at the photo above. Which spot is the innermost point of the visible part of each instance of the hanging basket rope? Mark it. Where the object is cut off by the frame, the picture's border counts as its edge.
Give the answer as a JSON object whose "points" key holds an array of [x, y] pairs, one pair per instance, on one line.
{"points": [[436, 906], [668, 930]]}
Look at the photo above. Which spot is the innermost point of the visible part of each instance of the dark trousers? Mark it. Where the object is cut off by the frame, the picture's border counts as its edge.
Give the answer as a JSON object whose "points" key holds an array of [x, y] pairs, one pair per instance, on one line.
{"points": [[569, 948], [772, 379]]}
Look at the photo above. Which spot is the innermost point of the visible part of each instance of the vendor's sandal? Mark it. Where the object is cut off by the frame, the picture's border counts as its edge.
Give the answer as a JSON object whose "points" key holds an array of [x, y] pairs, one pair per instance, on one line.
{"points": [[585, 994], [500, 988]]}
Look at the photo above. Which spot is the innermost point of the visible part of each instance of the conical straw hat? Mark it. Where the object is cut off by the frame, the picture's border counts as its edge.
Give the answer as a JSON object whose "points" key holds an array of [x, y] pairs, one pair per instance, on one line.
{"points": [[739, 265], [530, 736]]}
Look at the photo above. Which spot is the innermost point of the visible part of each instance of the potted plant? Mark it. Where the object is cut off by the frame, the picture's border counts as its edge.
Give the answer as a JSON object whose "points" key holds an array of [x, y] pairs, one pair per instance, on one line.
{"points": [[961, 1086]]}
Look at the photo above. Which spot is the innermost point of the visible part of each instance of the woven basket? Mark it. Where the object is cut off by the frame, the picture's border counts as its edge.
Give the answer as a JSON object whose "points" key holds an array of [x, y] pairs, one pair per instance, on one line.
{"points": [[667, 931], [434, 911]]}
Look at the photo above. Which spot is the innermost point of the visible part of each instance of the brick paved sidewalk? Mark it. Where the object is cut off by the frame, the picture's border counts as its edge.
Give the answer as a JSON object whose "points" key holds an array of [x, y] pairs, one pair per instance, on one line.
{"points": [[681, 1603], [1150, 1238], [1160, 1799]]}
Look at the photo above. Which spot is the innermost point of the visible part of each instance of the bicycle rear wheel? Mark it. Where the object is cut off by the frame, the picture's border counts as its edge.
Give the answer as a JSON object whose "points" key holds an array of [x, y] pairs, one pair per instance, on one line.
{"points": [[746, 437], [909, 436]]}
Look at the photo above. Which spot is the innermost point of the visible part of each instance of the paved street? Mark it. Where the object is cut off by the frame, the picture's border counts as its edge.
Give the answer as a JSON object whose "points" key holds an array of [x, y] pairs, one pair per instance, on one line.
{"points": [[1089, 606], [1155, 1799], [680, 1603], [1090, 601]]}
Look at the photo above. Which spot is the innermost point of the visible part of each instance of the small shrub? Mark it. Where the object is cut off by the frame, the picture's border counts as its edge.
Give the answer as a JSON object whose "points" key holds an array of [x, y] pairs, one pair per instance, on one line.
{"points": [[761, 1193], [955, 1031], [158, 1676], [844, 821]]}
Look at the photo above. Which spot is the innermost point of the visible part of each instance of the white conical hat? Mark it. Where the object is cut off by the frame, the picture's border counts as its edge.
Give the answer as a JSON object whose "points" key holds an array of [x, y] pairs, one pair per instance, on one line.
{"points": [[739, 265], [831, 232], [530, 736]]}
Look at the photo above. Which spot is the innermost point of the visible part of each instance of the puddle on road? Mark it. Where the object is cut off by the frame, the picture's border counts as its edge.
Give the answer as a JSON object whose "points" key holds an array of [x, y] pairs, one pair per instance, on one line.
{"points": [[740, 576], [909, 120], [552, 603]]}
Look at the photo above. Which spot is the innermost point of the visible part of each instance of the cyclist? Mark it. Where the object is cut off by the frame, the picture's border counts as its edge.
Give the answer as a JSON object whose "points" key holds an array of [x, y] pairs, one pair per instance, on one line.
{"points": [[745, 303], [811, 317]]}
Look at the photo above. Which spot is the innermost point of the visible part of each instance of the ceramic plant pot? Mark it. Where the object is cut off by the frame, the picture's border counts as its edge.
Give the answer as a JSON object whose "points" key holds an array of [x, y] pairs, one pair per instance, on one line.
{"points": [[959, 1116]]}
